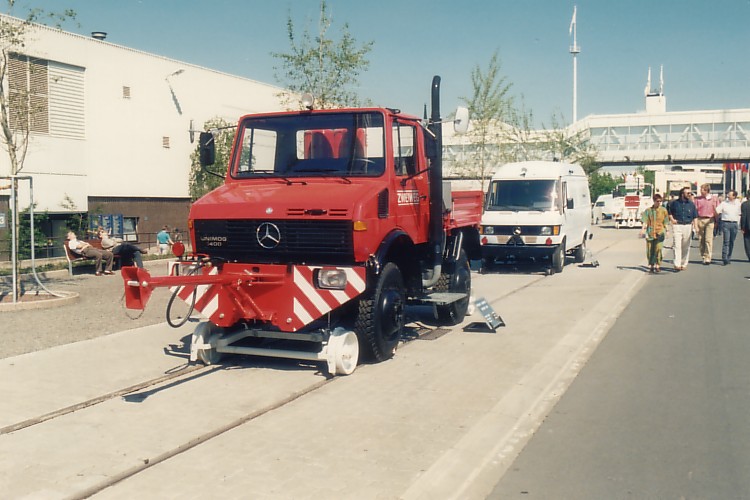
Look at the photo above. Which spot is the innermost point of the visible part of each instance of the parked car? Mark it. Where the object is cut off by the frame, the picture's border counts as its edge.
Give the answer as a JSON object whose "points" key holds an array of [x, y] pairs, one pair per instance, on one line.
{"points": [[603, 208]]}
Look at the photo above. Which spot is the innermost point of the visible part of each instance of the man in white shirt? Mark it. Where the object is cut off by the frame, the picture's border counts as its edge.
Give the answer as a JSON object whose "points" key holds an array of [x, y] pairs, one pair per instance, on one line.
{"points": [[85, 249], [729, 211]]}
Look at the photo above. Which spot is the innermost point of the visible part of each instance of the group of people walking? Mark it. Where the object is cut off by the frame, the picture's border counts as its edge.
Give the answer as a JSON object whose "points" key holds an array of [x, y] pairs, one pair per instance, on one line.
{"points": [[690, 214]]}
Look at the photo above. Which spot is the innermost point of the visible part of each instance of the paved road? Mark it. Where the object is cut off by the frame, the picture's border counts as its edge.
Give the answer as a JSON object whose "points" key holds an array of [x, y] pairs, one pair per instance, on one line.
{"points": [[661, 409], [444, 419]]}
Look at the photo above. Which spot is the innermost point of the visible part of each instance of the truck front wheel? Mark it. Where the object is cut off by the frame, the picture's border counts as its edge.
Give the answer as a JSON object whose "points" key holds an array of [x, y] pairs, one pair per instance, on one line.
{"points": [[380, 317], [558, 258], [459, 281]]}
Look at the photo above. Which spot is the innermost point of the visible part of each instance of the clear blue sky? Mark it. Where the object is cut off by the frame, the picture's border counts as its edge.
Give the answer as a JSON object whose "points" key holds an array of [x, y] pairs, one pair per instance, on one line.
{"points": [[703, 45]]}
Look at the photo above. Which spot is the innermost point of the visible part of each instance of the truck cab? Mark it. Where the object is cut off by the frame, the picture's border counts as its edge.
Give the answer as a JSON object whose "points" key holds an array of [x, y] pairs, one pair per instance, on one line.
{"points": [[321, 184]]}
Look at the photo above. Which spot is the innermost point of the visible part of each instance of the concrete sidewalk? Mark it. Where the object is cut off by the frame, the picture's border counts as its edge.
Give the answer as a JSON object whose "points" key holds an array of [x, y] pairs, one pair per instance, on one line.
{"points": [[442, 419]]}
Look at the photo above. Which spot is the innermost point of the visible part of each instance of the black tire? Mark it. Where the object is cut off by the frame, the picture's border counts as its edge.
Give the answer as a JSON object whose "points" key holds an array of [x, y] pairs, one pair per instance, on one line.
{"points": [[580, 254], [459, 281], [558, 258], [380, 315]]}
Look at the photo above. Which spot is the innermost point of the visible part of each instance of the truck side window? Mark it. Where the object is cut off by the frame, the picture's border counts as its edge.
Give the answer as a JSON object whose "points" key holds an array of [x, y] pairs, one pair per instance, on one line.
{"points": [[258, 150], [404, 148]]}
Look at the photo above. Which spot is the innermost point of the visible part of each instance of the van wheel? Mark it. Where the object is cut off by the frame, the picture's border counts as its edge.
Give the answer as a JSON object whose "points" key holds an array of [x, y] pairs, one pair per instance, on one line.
{"points": [[580, 254], [380, 317], [558, 258], [459, 281]]}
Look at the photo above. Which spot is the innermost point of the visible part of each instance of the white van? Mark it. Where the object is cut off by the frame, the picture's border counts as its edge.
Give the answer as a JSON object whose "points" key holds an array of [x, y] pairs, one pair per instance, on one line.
{"points": [[537, 210], [604, 208]]}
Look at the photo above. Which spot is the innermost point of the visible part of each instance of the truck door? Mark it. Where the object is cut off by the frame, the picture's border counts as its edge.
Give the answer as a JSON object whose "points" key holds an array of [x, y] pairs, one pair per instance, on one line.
{"points": [[412, 191]]}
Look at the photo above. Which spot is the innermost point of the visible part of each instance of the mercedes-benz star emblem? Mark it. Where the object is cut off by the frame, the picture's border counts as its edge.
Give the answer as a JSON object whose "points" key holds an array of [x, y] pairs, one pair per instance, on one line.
{"points": [[268, 235]]}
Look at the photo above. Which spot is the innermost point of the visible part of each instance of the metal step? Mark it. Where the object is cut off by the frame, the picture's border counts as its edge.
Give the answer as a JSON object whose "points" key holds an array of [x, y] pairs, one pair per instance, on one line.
{"points": [[442, 298]]}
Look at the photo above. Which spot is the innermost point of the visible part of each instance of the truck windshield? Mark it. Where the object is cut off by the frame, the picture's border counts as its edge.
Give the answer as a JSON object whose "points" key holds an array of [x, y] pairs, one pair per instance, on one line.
{"points": [[309, 145], [533, 194]]}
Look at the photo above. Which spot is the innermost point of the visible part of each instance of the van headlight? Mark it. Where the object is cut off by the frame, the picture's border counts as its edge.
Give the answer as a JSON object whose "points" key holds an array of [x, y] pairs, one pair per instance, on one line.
{"points": [[549, 231], [488, 229], [331, 279]]}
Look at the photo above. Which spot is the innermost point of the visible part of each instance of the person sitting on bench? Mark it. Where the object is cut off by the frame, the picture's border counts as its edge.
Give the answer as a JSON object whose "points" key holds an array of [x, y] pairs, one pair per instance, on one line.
{"points": [[82, 248], [127, 251]]}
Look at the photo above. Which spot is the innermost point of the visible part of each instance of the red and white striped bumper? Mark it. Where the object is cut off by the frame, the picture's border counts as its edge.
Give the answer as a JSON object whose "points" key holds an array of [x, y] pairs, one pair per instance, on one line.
{"points": [[284, 296]]}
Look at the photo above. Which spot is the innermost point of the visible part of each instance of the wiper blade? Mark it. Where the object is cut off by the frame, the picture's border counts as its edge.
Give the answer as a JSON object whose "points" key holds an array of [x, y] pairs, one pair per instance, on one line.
{"points": [[273, 173]]}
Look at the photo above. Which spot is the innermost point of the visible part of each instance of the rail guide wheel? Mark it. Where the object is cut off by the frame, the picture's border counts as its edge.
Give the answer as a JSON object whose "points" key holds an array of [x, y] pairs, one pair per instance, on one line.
{"points": [[203, 343], [342, 352]]}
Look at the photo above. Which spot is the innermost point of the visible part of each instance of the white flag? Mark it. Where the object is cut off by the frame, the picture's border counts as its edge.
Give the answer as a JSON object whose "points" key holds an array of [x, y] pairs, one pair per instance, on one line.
{"points": [[572, 21]]}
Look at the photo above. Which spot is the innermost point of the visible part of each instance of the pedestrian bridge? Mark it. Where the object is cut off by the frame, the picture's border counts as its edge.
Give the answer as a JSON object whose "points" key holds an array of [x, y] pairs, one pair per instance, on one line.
{"points": [[721, 136], [691, 137]]}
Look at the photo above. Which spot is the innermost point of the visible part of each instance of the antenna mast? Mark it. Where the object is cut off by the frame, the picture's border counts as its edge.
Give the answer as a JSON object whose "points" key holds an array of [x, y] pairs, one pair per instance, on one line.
{"points": [[575, 50]]}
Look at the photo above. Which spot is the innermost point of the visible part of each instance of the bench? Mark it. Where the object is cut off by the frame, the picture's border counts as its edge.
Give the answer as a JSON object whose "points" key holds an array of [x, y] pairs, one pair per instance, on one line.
{"points": [[74, 257]]}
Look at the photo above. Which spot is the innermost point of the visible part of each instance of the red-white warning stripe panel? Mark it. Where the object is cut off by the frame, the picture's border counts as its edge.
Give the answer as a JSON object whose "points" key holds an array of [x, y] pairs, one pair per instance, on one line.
{"points": [[310, 303], [301, 305]]}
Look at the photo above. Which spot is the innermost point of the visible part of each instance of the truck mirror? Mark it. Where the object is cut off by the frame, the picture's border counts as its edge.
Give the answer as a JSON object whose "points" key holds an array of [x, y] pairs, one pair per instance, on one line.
{"points": [[207, 149], [461, 120]]}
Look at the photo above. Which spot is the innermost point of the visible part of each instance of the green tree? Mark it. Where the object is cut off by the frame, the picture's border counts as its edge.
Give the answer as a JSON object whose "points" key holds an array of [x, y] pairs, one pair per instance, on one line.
{"points": [[570, 145], [601, 183], [649, 176], [77, 221], [202, 181], [489, 106], [322, 66], [19, 109]]}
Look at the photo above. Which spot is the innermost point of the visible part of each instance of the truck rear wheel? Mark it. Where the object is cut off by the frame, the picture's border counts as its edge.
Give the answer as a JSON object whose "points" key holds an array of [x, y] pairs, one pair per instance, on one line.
{"points": [[380, 317], [459, 281]]}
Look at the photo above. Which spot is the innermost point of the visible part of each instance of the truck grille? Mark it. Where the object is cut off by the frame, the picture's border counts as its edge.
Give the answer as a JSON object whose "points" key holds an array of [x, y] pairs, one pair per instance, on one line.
{"points": [[525, 230], [276, 241]]}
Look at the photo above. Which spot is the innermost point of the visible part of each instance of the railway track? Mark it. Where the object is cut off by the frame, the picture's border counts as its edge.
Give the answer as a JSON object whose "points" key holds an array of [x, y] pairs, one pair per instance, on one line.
{"points": [[123, 433]]}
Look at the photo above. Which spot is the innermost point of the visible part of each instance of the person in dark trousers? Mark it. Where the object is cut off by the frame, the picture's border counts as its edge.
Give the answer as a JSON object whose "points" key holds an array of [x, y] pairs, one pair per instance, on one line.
{"points": [[745, 223], [128, 252], [729, 213], [682, 215]]}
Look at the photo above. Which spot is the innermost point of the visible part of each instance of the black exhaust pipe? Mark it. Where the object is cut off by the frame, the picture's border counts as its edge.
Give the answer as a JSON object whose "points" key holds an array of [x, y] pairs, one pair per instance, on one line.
{"points": [[437, 235]]}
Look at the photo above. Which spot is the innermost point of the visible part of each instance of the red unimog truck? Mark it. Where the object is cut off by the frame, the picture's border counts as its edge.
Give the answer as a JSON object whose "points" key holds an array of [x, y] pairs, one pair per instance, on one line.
{"points": [[328, 224]]}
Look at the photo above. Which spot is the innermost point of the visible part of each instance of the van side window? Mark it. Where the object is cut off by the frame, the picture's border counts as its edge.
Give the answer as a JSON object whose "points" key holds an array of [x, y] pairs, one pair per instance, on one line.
{"points": [[570, 197]]}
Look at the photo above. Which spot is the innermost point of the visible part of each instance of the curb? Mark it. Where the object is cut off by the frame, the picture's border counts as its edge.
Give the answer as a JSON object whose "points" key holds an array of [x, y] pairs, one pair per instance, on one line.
{"points": [[47, 303]]}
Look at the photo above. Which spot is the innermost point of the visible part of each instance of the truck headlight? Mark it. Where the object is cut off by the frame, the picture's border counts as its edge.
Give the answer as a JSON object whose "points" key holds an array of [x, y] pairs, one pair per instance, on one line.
{"points": [[331, 279]]}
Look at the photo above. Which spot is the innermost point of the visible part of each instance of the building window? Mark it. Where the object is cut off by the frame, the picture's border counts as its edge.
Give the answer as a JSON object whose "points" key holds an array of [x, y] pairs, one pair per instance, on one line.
{"points": [[46, 97], [28, 93], [66, 101], [165, 142]]}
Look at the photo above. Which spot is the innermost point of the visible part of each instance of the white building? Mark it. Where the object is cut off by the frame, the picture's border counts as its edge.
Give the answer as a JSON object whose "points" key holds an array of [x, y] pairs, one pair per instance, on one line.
{"points": [[112, 135]]}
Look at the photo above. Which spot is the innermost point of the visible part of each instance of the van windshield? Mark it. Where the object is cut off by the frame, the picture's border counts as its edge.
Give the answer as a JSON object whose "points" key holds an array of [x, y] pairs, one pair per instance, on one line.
{"points": [[532, 194]]}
